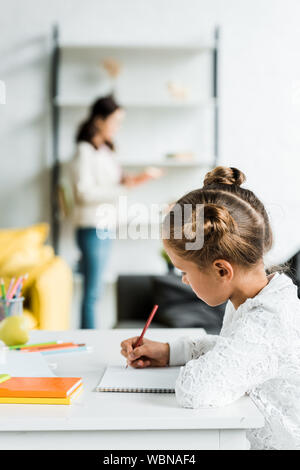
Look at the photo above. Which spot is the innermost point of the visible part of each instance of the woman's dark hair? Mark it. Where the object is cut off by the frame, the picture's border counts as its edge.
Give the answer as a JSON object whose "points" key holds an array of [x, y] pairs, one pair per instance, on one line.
{"points": [[104, 107], [87, 130]]}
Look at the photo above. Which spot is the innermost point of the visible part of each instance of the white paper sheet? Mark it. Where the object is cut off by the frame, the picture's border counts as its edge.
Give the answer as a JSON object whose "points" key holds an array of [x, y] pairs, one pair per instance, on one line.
{"points": [[31, 364]]}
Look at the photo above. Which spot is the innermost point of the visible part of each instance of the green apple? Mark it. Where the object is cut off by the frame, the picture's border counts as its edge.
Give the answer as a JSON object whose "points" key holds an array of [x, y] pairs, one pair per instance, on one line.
{"points": [[14, 330]]}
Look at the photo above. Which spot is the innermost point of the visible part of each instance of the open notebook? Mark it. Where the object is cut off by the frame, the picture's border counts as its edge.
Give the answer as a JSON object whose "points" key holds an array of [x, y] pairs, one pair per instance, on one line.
{"points": [[148, 380]]}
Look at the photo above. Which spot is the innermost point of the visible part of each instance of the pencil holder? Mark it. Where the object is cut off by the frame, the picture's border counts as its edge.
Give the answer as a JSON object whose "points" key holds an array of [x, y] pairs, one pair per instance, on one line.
{"points": [[11, 307]]}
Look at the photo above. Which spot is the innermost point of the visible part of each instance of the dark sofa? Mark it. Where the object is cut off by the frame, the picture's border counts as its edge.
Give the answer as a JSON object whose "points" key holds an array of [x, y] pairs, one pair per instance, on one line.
{"points": [[179, 307]]}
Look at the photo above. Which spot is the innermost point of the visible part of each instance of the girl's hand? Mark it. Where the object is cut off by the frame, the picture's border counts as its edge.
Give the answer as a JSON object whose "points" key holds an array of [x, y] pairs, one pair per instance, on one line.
{"points": [[148, 354]]}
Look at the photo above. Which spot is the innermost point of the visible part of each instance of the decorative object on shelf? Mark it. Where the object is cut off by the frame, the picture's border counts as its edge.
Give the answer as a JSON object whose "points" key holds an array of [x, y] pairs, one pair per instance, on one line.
{"points": [[112, 66], [181, 156], [177, 90]]}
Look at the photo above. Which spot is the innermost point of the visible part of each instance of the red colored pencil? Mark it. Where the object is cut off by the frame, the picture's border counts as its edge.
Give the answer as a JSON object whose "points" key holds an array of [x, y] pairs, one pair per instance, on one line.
{"points": [[138, 343], [49, 347]]}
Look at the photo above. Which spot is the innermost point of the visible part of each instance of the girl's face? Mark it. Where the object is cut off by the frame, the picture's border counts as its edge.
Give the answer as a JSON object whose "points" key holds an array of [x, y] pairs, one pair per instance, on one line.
{"points": [[110, 126], [212, 285]]}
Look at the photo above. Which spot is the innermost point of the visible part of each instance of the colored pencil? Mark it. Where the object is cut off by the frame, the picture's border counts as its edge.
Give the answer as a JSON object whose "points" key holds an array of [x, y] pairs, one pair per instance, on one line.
{"points": [[20, 286], [150, 318], [14, 288], [10, 285], [65, 350], [138, 343], [3, 289], [4, 297], [54, 346], [18, 291], [27, 346]]}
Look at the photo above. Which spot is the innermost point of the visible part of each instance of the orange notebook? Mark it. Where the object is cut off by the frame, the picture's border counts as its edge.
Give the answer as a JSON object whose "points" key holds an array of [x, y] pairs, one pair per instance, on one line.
{"points": [[39, 387], [42, 401]]}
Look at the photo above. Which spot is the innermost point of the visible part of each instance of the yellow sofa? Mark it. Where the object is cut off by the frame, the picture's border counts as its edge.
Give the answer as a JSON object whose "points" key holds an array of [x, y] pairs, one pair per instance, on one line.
{"points": [[48, 287]]}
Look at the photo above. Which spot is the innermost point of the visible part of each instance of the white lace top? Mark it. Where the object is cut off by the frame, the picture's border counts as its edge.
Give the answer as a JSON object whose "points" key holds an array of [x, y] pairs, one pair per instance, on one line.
{"points": [[257, 352]]}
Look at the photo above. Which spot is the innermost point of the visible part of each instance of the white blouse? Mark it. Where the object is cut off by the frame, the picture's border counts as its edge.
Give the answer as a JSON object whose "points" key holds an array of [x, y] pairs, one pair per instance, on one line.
{"points": [[258, 353], [96, 178]]}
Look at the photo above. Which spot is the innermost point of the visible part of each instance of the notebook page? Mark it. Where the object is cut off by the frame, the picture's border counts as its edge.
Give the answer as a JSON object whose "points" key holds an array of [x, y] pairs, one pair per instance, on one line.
{"points": [[151, 378]]}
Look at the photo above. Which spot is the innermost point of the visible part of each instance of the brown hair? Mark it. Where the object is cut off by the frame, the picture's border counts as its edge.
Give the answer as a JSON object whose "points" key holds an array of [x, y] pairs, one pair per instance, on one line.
{"points": [[87, 131], [101, 108], [236, 224], [104, 107]]}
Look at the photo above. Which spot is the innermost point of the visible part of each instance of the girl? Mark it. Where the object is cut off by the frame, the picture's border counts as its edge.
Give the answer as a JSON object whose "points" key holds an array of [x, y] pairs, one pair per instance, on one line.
{"points": [[258, 350], [97, 179]]}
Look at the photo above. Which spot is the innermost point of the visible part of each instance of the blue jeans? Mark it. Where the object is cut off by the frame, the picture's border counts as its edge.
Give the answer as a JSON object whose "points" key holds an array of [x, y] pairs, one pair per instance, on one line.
{"points": [[94, 255]]}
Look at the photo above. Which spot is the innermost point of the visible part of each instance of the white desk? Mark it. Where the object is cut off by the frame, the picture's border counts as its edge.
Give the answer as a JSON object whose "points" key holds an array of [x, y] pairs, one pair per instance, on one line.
{"points": [[120, 420]]}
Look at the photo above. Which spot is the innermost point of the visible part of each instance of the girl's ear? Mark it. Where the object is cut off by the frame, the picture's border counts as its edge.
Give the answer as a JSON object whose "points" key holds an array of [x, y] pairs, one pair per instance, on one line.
{"points": [[223, 269]]}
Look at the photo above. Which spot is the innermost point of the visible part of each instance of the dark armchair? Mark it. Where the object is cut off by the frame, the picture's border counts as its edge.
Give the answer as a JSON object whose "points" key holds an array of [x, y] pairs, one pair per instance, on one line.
{"points": [[179, 307]]}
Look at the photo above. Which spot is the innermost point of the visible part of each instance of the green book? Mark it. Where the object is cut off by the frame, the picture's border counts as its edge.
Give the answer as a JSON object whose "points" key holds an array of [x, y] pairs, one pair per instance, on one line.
{"points": [[4, 377]]}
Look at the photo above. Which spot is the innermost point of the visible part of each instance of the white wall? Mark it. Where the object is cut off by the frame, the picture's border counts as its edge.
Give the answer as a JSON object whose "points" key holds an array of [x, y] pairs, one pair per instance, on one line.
{"points": [[260, 83]]}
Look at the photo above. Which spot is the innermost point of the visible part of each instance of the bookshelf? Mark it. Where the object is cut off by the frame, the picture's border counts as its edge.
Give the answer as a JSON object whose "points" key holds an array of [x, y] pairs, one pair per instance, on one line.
{"points": [[144, 54]]}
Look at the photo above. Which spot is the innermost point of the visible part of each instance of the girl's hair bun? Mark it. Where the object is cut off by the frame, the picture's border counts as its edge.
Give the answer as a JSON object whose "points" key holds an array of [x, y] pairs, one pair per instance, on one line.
{"points": [[224, 175], [217, 221]]}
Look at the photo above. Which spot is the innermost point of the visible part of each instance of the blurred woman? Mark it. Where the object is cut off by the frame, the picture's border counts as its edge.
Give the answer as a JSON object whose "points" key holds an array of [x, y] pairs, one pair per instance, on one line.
{"points": [[98, 179]]}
